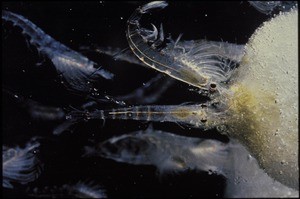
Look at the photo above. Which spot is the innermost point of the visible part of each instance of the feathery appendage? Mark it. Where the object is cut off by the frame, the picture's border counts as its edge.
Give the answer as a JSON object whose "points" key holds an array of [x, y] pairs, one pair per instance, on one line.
{"points": [[21, 165]]}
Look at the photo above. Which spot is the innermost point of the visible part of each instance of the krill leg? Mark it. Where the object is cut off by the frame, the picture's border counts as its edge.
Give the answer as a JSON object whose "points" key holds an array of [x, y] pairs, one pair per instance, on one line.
{"points": [[198, 64]]}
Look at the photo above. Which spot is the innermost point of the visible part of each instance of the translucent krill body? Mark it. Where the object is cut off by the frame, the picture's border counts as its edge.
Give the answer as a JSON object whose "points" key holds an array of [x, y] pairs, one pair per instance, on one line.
{"points": [[166, 151], [76, 69], [203, 116], [173, 153], [252, 99], [20, 165], [251, 92], [198, 63]]}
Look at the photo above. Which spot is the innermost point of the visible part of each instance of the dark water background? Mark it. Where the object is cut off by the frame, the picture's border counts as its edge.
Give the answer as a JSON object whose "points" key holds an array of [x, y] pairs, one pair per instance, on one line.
{"points": [[101, 23]]}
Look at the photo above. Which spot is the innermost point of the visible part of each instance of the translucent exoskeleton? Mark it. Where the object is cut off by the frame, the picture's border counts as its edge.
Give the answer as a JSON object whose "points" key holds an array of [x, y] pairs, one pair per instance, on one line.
{"points": [[174, 153], [20, 165], [249, 90], [251, 99], [76, 69]]}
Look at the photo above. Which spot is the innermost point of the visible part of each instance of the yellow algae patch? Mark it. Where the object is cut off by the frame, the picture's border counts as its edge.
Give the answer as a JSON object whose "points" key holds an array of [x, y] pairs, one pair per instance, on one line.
{"points": [[264, 106]]}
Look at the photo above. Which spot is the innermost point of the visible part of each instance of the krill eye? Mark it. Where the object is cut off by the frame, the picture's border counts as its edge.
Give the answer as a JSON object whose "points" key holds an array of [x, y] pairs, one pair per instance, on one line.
{"points": [[203, 120], [203, 106], [213, 86]]}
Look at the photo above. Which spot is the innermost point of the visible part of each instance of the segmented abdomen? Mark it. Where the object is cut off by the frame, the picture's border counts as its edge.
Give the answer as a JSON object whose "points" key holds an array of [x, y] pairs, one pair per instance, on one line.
{"points": [[37, 36], [197, 63], [77, 70], [196, 115]]}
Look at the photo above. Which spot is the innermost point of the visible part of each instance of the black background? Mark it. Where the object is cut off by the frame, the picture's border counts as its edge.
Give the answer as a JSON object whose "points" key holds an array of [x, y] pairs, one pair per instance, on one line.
{"points": [[101, 23]]}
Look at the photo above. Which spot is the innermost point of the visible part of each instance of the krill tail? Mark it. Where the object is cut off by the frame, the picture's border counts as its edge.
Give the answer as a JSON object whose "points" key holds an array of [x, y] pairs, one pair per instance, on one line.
{"points": [[37, 36]]}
